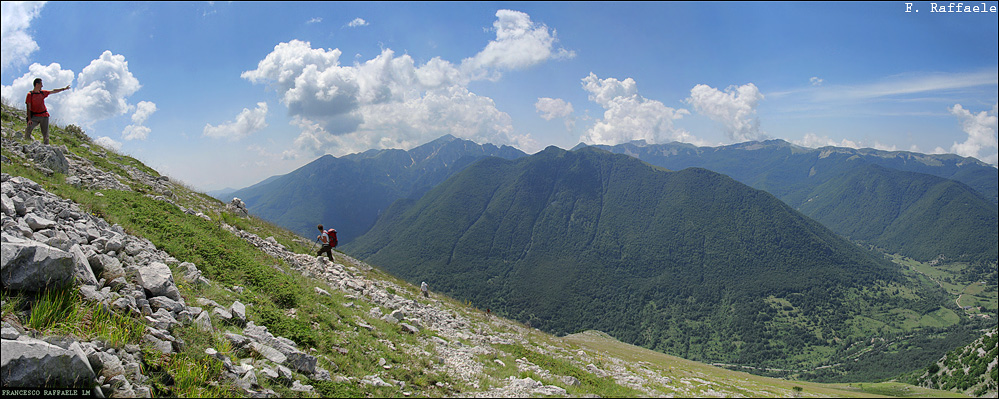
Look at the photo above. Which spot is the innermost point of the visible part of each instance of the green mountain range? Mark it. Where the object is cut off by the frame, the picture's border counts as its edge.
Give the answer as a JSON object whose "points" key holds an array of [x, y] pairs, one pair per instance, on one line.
{"points": [[920, 215], [921, 206], [691, 263], [349, 192]]}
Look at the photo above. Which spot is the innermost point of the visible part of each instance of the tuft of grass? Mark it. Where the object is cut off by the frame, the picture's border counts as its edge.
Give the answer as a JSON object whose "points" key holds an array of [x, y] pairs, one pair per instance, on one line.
{"points": [[11, 304], [115, 329], [53, 308]]}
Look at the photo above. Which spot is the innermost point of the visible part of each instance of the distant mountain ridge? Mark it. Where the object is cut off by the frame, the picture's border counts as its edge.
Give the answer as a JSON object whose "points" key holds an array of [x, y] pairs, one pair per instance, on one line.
{"points": [[589, 239], [348, 193], [778, 166], [909, 210]]}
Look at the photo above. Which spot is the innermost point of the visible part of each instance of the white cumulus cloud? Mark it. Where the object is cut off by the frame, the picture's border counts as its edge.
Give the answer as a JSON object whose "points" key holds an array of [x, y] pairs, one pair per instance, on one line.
{"points": [[142, 111], [391, 102], [136, 131], [629, 116], [981, 129], [735, 108], [247, 122], [17, 41], [520, 43], [102, 90], [815, 81], [551, 108], [357, 22]]}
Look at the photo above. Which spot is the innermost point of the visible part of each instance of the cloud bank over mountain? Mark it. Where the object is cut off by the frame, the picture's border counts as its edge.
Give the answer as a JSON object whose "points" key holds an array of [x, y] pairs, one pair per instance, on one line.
{"points": [[629, 116], [735, 108]]}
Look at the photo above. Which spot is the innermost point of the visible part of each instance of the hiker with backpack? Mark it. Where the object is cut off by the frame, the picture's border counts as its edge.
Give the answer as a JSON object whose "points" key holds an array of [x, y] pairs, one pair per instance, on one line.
{"points": [[37, 114], [328, 238]]}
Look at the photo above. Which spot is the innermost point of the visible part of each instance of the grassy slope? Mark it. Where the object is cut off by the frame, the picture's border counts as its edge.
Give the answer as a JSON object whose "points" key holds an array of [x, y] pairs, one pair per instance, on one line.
{"points": [[701, 378], [272, 290]]}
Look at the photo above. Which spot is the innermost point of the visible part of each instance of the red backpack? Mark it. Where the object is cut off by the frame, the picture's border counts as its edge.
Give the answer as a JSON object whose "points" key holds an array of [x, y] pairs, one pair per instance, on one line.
{"points": [[332, 234]]}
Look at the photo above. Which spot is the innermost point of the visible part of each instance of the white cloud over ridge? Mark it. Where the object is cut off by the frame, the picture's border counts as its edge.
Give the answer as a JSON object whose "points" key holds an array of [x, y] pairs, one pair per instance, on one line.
{"points": [[135, 132], [551, 108], [629, 116], [812, 140], [389, 101], [17, 42], [982, 142], [735, 108], [107, 142], [247, 122]]}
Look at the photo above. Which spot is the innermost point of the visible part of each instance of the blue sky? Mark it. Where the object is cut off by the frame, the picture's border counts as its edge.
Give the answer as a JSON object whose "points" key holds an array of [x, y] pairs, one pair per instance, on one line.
{"points": [[227, 94]]}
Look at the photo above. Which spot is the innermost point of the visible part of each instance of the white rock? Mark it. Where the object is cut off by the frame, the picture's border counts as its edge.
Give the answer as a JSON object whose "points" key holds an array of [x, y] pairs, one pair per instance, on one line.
{"points": [[33, 363]]}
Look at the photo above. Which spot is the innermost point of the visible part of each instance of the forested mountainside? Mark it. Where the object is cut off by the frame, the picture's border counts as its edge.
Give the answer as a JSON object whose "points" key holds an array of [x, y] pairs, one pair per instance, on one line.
{"points": [[691, 262], [916, 214]]}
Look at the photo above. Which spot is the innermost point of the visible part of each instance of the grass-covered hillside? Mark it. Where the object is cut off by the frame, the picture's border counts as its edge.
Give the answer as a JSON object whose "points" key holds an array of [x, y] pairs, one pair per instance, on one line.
{"points": [[165, 292]]}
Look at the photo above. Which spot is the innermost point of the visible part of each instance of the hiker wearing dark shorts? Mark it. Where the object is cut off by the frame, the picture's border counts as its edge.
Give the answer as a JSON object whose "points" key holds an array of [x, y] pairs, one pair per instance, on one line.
{"points": [[37, 113], [328, 241]]}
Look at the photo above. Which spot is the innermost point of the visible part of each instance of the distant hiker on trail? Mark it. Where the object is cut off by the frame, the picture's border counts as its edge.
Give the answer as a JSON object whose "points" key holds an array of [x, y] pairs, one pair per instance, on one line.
{"points": [[37, 113], [423, 288], [328, 238]]}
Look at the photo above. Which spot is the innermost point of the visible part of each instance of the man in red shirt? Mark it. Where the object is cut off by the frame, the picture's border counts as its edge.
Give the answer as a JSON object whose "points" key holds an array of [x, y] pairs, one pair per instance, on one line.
{"points": [[37, 113]]}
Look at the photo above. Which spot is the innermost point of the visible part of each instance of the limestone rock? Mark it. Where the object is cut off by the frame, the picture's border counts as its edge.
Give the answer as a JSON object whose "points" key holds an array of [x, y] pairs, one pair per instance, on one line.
{"points": [[268, 352], [156, 278], [238, 207], [36, 222], [204, 322], [81, 267], [409, 328], [30, 362], [33, 266], [238, 311]]}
